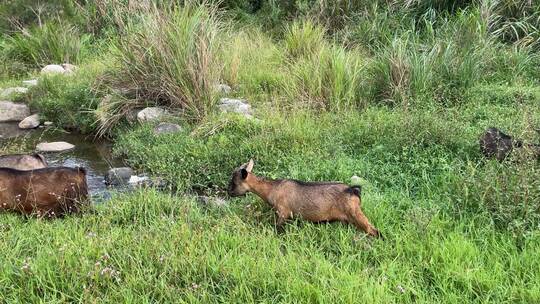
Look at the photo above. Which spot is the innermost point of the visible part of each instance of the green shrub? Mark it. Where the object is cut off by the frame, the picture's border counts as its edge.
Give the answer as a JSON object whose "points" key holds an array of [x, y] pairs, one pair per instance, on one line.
{"points": [[54, 42], [18, 14], [69, 100]]}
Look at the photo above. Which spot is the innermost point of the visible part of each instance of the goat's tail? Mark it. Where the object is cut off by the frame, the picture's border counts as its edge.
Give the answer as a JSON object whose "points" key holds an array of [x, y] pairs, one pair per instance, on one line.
{"points": [[355, 190]]}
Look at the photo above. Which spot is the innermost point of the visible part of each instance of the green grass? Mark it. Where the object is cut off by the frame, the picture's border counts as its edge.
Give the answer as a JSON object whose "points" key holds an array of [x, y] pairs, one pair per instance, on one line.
{"points": [[397, 94], [168, 249], [53, 43]]}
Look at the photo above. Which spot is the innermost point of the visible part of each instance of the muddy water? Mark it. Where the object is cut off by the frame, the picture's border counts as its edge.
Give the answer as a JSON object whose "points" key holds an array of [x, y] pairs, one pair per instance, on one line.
{"points": [[94, 155]]}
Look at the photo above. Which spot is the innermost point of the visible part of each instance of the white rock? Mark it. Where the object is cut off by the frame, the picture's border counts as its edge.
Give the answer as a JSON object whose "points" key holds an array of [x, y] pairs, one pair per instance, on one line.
{"points": [[48, 123], [30, 83], [10, 111], [235, 105], [53, 69], [9, 92], [30, 122], [58, 146], [134, 179], [150, 114]]}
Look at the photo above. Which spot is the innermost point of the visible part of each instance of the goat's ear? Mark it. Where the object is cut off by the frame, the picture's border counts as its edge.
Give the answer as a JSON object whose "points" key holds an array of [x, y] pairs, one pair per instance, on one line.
{"points": [[243, 173], [249, 165]]}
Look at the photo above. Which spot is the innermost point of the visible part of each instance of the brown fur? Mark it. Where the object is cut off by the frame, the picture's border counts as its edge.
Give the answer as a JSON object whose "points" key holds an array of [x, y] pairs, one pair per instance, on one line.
{"points": [[23, 161], [316, 202], [50, 191]]}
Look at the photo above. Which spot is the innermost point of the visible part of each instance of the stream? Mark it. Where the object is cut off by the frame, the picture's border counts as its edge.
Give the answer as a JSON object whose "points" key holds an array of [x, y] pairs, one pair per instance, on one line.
{"points": [[92, 154]]}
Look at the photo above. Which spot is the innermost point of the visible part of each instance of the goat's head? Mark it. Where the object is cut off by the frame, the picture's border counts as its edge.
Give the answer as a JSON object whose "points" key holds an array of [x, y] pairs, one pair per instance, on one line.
{"points": [[238, 185]]}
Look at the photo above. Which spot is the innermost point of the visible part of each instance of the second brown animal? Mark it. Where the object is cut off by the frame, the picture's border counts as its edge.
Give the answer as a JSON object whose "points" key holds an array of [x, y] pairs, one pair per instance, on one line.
{"points": [[316, 202]]}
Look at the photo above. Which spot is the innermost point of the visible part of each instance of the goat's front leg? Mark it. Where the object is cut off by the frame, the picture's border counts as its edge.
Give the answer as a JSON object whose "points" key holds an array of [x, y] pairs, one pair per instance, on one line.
{"points": [[282, 217]]}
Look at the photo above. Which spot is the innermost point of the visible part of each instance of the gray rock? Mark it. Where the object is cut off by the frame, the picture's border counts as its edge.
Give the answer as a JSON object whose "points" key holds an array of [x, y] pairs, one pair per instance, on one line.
{"points": [[53, 69], [118, 176], [212, 201], [151, 114], [30, 83], [235, 105], [57, 146], [30, 122], [222, 88], [10, 92], [10, 111], [165, 127], [69, 68]]}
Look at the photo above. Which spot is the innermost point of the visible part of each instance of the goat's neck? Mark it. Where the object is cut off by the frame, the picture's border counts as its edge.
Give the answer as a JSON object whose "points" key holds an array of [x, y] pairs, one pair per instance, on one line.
{"points": [[260, 186]]}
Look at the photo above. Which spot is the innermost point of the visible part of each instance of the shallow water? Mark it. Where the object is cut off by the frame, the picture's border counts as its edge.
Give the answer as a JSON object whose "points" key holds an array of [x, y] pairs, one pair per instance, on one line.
{"points": [[94, 155]]}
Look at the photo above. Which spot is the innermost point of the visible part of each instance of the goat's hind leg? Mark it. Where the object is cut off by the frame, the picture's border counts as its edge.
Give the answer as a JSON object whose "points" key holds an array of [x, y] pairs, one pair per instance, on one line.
{"points": [[358, 219]]}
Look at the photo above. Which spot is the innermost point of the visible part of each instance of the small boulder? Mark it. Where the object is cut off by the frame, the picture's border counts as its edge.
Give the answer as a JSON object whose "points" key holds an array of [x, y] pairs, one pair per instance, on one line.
{"points": [[10, 92], [69, 68], [165, 127], [211, 201], [58, 146], [495, 143], [10, 111], [222, 89], [136, 180], [53, 69], [150, 114], [235, 105], [30, 122], [30, 83], [118, 176]]}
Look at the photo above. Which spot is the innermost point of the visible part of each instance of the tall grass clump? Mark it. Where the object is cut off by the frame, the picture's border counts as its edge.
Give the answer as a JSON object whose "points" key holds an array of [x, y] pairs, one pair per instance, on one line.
{"points": [[304, 38], [324, 75], [449, 57], [516, 22], [54, 42], [169, 58], [253, 64]]}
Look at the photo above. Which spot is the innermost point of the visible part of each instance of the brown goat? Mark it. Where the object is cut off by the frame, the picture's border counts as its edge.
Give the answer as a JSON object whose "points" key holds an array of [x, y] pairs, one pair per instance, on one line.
{"points": [[23, 161], [316, 202], [49, 192]]}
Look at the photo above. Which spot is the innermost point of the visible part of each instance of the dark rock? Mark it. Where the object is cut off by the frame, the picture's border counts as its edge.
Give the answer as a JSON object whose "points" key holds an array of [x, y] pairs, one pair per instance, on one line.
{"points": [[495, 143]]}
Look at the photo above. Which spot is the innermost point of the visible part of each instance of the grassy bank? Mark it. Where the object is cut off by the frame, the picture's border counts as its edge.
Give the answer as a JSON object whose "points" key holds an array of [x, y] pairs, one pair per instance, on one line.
{"points": [[397, 94], [150, 247]]}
